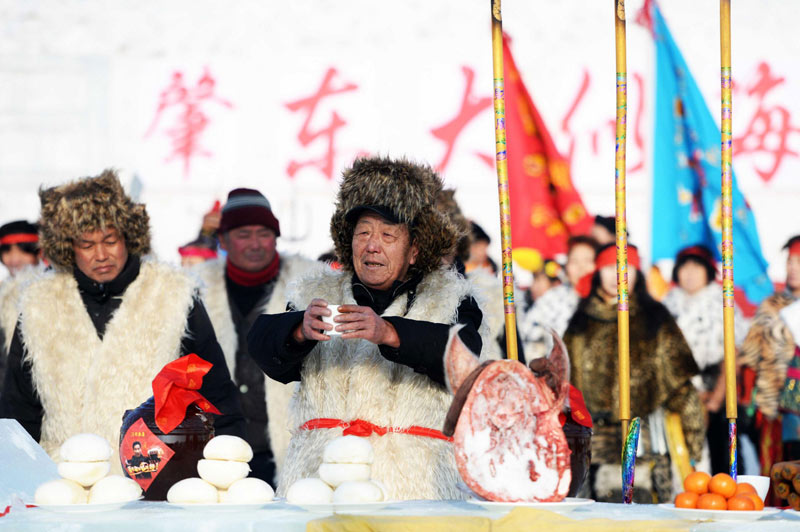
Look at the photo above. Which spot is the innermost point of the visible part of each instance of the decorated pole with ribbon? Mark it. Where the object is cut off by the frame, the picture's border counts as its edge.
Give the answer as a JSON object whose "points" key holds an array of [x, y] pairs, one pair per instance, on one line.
{"points": [[630, 428], [727, 229], [502, 179], [621, 225]]}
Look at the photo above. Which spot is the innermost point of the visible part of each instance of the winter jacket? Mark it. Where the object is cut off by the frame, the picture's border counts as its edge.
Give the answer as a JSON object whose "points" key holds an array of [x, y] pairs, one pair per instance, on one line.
{"points": [[768, 349], [661, 365], [699, 317]]}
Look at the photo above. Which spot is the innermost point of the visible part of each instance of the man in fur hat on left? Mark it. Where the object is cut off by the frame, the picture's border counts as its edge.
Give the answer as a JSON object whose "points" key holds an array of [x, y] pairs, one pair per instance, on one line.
{"points": [[94, 332]]}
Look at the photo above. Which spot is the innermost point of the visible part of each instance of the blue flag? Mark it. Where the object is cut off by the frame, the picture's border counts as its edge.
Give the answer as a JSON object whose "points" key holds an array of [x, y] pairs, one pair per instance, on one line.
{"points": [[687, 174]]}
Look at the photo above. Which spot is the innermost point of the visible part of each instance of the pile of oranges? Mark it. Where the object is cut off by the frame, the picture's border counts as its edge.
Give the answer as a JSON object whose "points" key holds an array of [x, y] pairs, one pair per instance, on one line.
{"points": [[719, 492]]}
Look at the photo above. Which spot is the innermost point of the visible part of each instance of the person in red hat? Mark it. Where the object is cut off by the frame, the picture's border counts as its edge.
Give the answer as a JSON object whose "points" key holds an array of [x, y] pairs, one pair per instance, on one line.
{"points": [[771, 349], [251, 281], [695, 302], [556, 306], [20, 254], [19, 246], [662, 368]]}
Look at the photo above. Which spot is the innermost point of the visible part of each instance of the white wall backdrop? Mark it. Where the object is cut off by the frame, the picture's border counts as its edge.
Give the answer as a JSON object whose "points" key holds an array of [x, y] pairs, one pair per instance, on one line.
{"points": [[81, 83]]}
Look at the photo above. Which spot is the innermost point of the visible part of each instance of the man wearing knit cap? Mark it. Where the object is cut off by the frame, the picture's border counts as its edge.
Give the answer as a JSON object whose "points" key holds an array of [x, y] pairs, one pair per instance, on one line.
{"points": [[380, 374], [252, 280], [95, 331], [20, 254]]}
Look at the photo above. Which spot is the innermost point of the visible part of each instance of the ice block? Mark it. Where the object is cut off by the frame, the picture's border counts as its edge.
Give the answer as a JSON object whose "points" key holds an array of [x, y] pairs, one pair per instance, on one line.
{"points": [[23, 464]]}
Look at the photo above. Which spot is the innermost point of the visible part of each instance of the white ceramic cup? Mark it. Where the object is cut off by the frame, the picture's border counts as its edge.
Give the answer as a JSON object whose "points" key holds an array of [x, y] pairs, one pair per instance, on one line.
{"points": [[329, 319], [761, 484]]}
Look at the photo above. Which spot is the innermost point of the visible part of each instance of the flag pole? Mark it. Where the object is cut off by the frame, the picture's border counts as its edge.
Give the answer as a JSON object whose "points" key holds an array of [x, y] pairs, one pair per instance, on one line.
{"points": [[621, 225], [727, 229], [502, 179], [630, 428]]}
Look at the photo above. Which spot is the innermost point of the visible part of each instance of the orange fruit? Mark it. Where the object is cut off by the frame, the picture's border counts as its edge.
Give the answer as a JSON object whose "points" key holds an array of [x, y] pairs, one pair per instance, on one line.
{"points": [[722, 484], [757, 502], [712, 501], [697, 482], [743, 488], [687, 499], [741, 503]]}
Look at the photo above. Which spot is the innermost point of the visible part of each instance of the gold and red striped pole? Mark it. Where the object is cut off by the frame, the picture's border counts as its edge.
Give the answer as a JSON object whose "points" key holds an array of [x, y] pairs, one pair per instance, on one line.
{"points": [[621, 224], [727, 228], [502, 179]]}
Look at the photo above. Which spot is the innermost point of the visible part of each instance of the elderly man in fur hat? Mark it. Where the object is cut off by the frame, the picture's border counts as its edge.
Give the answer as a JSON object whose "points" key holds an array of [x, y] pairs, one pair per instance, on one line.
{"points": [[94, 332], [381, 374], [251, 281]]}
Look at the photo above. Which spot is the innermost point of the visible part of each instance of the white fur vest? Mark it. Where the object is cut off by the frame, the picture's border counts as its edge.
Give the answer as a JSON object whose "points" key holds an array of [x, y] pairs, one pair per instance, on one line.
{"points": [[349, 379], [85, 384], [215, 298], [10, 292]]}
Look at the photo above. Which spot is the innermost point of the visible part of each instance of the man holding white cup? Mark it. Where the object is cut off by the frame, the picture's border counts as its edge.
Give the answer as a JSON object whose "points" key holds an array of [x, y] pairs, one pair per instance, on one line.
{"points": [[383, 378]]}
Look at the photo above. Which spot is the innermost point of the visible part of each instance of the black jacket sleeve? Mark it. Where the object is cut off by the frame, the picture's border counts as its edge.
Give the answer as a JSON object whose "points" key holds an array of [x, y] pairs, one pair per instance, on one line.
{"points": [[18, 399], [217, 387], [422, 343], [274, 349], [421, 348]]}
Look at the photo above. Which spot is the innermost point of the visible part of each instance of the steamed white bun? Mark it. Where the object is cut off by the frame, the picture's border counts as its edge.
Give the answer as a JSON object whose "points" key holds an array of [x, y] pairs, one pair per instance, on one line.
{"points": [[115, 488], [357, 492], [309, 491], [335, 474], [248, 491], [348, 450], [222, 473], [84, 473], [61, 491], [226, 447], [86, 448], [193, 491]]}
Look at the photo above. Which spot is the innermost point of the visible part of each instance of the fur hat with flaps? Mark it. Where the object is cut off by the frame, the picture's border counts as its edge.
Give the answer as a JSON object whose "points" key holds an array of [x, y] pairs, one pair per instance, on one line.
{"points": [[400, 191], [85, 205]]}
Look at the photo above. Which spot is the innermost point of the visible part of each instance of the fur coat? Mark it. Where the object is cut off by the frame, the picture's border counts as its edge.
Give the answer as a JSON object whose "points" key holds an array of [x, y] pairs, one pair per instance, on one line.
{"points": [[661, 370], [768, 349], [700, 320], [215, 297], [86, 384], [349, 380]]}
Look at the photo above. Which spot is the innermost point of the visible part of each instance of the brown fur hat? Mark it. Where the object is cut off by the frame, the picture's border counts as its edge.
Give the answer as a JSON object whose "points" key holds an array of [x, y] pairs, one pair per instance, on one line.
{"points": [[89, 204], [409, 190], [446, 202]]}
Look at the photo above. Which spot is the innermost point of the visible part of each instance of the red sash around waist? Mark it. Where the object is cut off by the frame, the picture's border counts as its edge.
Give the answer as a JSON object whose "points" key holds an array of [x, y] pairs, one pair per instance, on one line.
{"points": [[359, 427]]}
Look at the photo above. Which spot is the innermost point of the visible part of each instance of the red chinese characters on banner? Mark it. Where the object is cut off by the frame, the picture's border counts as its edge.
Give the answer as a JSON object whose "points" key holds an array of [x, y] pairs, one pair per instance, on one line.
{"points": [[471, 106], [607, 131], [770, 128], [307, 135], [190, 119]]}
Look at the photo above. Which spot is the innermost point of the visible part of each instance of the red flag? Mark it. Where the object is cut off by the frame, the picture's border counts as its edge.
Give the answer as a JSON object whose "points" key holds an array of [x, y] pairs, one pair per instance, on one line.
{"points": [[545, 207]]}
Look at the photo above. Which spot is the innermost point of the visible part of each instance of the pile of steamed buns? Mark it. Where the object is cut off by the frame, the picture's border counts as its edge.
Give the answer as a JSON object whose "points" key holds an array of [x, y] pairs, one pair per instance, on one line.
{"points": [[223, 477], [84, 471], [344, 476]]}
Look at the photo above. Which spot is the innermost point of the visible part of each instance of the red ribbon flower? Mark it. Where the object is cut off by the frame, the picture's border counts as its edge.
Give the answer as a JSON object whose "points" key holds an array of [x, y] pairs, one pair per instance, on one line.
{"points": [[173, 391]]}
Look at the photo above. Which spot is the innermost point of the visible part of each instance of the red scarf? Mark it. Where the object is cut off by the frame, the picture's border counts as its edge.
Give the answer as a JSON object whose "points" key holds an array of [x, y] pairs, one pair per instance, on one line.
{"points": [[245, 278]]}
